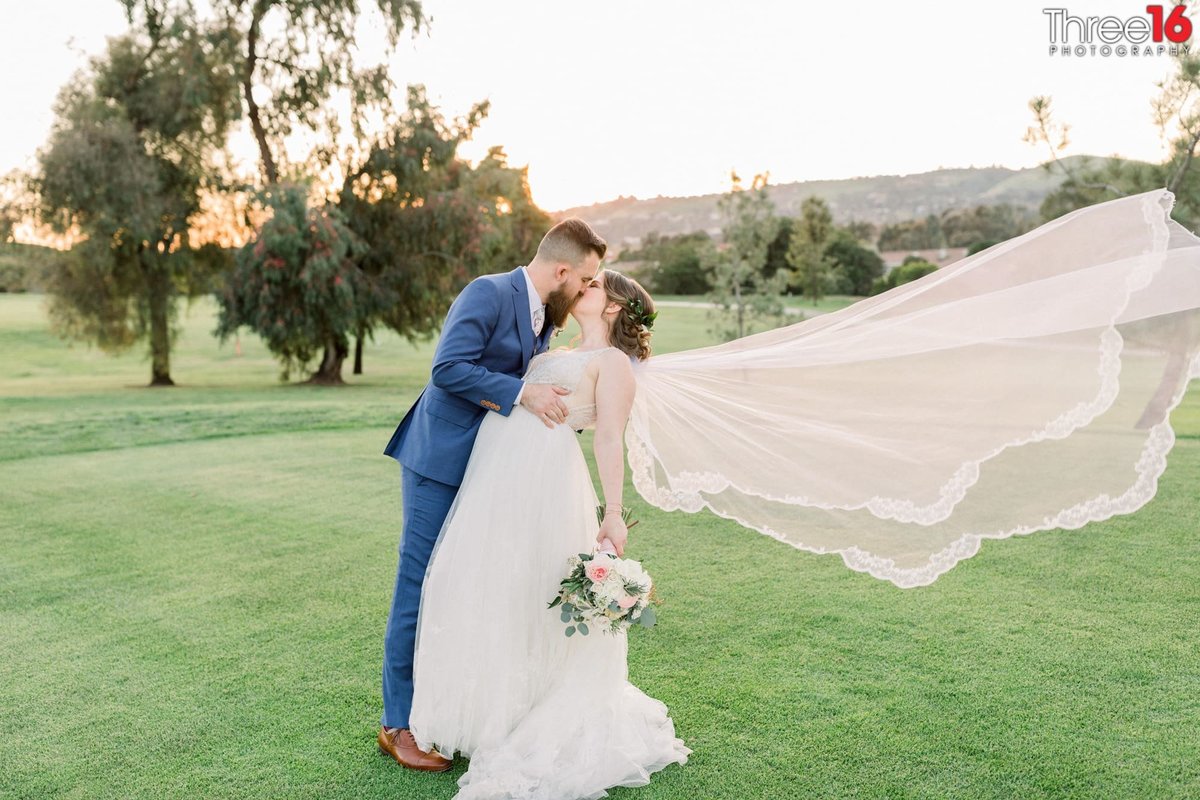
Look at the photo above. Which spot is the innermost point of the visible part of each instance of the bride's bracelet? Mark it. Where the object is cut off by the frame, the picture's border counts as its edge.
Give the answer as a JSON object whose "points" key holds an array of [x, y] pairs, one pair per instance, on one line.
{"points": [[615, 508]]}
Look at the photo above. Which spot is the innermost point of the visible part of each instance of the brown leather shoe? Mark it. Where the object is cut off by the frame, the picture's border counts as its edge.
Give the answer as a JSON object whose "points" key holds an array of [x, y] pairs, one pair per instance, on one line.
{"points": [[401, 745]]}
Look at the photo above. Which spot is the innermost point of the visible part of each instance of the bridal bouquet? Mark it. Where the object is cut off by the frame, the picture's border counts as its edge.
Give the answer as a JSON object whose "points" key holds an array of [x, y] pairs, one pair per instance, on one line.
{"points": [[603, 590]]}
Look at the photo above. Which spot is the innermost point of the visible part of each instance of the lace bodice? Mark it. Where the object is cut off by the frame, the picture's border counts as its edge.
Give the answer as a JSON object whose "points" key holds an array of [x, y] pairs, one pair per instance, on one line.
{"points": [[564, 367]]}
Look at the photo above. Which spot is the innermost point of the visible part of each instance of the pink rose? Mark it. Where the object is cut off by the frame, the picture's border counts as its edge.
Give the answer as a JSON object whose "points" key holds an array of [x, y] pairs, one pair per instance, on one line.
{"points": [[627, 602], [597, 569]]}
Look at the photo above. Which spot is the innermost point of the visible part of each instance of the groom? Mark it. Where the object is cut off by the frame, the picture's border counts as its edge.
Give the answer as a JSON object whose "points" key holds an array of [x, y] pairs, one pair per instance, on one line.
{"points": [[494, 327]]}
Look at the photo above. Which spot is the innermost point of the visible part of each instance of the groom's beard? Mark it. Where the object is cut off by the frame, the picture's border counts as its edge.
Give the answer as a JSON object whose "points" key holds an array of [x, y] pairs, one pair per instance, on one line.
{"points": [[559, 305]]}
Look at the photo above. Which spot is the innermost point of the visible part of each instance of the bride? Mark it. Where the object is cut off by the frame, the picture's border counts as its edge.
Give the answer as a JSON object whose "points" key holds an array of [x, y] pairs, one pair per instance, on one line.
{"points": [[541, 716], [1028, 387]]}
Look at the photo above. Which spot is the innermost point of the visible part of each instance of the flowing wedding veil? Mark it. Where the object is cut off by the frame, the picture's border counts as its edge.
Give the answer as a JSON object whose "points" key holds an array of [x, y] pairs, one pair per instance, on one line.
{"points": [[1024, 388]]}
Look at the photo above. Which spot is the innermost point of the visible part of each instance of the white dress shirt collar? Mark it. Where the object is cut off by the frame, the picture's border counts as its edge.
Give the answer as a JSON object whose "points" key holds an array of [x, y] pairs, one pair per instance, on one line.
{"points": [[535, 301]]}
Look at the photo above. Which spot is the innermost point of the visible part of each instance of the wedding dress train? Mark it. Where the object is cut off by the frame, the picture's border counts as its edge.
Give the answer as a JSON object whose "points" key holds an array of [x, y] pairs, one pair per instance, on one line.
{"points": [[540, 715]]}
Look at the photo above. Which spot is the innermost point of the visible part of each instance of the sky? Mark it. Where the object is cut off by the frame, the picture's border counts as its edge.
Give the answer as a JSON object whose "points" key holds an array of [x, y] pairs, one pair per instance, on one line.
{"points": [[665, 97]]}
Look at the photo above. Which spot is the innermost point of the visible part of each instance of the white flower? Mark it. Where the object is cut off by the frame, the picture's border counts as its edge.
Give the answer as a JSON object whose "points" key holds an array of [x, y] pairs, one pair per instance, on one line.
{"points": [[608, 591], [632, 572]]}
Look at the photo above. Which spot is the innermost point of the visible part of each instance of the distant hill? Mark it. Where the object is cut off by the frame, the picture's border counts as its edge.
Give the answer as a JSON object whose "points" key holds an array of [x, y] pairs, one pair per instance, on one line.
{"points": [[877, 199]]}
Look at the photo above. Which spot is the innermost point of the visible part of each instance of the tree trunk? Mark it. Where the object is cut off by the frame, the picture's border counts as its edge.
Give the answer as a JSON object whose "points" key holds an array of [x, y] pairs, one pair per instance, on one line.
{"points": [[741, 310], [358, 348], [252, 109], [330, 371], [160, 331]]}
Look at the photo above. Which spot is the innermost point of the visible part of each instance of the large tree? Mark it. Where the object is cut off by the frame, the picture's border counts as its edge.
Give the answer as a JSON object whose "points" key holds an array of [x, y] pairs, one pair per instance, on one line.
{"points": [[129, 155], [294, 56], [811, 234], [514, 224], [297, 66], [296, 284], [741, 292], [411, 224], [430, 221], [425, 220], [410, 202]]}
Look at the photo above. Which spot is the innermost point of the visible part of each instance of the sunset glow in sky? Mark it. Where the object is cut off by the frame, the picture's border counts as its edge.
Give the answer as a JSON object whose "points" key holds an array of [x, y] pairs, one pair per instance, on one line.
{"points": [[653, 97]]}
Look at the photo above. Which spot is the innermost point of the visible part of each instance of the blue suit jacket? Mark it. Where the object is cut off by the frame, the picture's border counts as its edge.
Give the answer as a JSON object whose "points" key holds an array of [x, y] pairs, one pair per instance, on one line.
{"points": [[487, 342]]}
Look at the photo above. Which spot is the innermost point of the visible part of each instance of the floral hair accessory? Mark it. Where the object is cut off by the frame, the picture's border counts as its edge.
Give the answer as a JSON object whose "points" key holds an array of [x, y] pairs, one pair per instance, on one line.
{"points": [[639, 313]]}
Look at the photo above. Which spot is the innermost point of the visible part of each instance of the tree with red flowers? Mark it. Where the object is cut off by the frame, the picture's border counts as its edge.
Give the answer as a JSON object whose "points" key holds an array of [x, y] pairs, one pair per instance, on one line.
{"points": [[296, 285]]}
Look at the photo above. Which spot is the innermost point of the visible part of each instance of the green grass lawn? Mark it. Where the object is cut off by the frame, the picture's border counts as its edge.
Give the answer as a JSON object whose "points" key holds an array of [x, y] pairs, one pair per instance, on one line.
{"points": [[194, 583]]}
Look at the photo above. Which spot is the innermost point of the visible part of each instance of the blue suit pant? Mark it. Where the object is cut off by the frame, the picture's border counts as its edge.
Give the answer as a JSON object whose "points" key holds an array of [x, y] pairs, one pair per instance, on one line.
{"points": [[426, 504]]}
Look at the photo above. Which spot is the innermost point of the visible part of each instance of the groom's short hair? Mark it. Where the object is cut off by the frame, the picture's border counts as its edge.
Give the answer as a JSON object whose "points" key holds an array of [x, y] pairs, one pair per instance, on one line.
{"points": [[570, 241]]}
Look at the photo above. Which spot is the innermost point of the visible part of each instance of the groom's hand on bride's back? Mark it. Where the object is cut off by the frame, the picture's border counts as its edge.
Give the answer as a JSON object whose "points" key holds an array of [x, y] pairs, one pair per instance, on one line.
{"points": [[544, 401]]}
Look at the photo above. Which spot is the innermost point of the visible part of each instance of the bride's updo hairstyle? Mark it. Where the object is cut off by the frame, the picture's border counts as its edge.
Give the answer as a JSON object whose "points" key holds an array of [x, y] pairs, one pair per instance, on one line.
{"points": [[631, 328]]}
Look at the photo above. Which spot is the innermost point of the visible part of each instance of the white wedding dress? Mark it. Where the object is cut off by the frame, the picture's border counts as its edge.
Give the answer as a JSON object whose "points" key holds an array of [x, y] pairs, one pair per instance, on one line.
{"points": [[540, 715]]}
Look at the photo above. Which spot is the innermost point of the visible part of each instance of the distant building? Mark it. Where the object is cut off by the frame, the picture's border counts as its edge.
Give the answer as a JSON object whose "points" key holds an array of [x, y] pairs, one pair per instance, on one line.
{"points": [[939, 256]]}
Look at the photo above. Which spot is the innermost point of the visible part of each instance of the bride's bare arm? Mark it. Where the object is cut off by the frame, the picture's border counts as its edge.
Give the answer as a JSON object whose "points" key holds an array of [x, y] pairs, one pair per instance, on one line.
{"points": [[614, 399]]}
